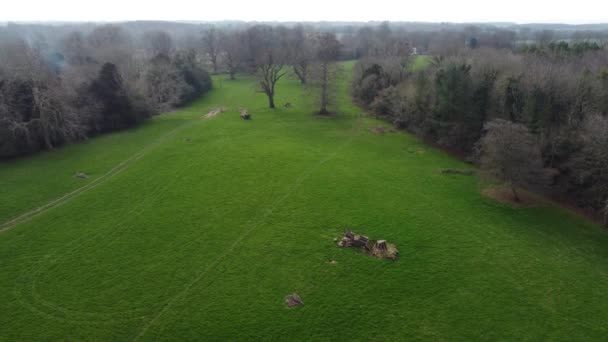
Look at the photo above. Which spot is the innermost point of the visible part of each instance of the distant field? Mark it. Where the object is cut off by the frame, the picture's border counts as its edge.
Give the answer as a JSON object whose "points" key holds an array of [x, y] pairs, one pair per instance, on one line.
{"points": [[207, 225], [420, 62]]}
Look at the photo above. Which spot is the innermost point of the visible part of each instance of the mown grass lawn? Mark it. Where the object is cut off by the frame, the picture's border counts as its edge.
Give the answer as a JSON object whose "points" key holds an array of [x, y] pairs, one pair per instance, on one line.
{"points": [[204, 233]]}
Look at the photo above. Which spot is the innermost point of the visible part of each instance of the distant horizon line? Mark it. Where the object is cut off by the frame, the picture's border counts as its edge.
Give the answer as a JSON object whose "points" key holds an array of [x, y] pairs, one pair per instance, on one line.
{"points": [[187, 21]]}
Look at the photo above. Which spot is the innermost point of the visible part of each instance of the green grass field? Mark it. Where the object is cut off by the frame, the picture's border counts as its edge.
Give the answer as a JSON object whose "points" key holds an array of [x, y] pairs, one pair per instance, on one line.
{"points": [[194, 229], [420, 62]]}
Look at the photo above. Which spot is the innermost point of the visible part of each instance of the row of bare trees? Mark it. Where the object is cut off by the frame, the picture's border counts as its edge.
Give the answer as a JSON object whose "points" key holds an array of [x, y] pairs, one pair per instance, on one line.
{"points": [[89, 83], [271, 53]]}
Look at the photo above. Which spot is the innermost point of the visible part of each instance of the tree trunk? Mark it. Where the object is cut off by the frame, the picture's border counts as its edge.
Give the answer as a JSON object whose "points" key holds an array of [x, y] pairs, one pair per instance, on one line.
{"points": [[271, 100], [214, 64], [232, 75], [515, 195], [300, 73], [324, 90]]}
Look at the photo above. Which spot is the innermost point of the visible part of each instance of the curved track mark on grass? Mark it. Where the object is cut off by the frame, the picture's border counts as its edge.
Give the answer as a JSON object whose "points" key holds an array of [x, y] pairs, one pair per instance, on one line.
{"points": [[29, 298], [251, 226], [112, 172]]}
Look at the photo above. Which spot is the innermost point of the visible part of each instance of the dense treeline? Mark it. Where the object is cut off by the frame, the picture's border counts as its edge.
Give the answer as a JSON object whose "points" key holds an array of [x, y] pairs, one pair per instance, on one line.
{"points": [[556, 93], [86, 84]]}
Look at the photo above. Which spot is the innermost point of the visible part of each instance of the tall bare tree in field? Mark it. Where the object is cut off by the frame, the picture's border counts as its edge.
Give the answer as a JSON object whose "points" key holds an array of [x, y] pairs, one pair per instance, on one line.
{"points": [[211, 45], [327, 71], [269, 57]]}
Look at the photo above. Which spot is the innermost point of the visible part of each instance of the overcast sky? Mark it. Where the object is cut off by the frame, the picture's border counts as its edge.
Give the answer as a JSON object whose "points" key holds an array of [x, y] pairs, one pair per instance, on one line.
{"points": [[520, 11]]}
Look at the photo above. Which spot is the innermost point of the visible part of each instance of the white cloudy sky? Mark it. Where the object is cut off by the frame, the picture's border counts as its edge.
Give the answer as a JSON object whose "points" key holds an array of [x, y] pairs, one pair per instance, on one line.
{"points": [[521, 11]]}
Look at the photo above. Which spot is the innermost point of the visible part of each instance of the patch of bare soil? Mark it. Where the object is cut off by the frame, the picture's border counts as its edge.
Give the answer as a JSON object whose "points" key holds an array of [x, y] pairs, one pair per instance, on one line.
{"points": [[293, 300], [379, 248], [213, 113], [505, 195], [463, 172], [381, 130]]}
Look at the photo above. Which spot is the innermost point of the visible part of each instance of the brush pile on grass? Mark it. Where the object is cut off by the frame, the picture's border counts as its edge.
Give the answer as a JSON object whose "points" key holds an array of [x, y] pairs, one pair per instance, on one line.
{"points": [[244, 114], [213, 113], [377, 248]]}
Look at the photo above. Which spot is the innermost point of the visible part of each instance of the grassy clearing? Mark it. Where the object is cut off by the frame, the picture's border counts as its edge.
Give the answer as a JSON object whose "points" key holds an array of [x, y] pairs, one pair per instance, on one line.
{"points": [[203, 236], [420, 62]]}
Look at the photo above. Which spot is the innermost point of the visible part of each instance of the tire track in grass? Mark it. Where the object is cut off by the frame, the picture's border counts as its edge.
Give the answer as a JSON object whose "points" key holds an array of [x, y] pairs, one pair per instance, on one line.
{"points": [[251, 226], [29, 298], [36, 304], [11, 223], [27, 294]]}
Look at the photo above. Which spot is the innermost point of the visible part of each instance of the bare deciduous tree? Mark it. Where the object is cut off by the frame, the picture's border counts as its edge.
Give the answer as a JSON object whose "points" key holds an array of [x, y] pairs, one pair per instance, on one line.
{"points": [[327, 71], [269, 57], [301, 53], [162, 84], [509, 152], [591, 163], [211, 45], [233, 52], [269, 72]]}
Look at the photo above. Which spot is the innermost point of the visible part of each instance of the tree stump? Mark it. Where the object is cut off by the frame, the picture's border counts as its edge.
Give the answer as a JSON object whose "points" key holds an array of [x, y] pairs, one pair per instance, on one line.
{"points": [[381, 245], [245, 115]]}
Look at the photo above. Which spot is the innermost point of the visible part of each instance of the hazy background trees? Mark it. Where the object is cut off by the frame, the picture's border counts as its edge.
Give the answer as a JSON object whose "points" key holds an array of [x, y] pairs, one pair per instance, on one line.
{"points": [[71, 82]]}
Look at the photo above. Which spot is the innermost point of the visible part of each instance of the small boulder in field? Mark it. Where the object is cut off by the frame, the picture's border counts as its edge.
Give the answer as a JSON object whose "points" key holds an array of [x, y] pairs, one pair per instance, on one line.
{"points": [[82, 175], [293, 300], [288, 105]]}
